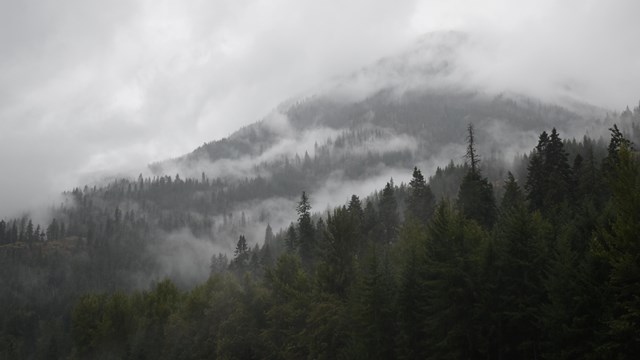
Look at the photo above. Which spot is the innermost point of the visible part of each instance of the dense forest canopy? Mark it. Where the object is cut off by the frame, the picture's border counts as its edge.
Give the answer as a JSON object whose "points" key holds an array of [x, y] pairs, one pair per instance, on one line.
{"points": [[539, 260]]}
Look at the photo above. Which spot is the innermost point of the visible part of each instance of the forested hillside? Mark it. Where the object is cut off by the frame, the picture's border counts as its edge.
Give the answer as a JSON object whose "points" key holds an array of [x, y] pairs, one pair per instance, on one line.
{"points": [[541, 264]]}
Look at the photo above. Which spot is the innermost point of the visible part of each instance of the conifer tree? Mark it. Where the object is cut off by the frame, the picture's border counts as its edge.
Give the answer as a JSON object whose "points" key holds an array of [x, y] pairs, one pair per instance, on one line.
{"points": [[619, 245], [3, 232], [268, 235], [513, 195], [558, 171], [373, 311], [29, 234], [291, 239], [336, 270], [306, 232], [389, 214], [241, 253], [475, 196], [420, 202], [412, 292], [549, 177], [451, 259], [521, 247]]}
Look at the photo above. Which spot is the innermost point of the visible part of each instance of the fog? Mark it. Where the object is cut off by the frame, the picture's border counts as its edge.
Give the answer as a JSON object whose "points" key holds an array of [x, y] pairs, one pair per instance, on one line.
{"points": [[89, 87]]}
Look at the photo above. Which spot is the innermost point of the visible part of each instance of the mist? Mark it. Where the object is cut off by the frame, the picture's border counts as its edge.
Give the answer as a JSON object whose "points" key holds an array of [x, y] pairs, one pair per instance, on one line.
{"points": [[92, 88]]}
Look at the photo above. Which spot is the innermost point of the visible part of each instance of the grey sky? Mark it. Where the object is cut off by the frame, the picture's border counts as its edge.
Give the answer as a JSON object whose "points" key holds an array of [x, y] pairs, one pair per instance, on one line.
{"points": [[90, 86]]}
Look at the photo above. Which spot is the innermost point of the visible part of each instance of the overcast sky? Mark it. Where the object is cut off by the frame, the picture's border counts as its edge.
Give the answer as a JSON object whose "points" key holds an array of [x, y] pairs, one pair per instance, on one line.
{"points": [[90, 86]]}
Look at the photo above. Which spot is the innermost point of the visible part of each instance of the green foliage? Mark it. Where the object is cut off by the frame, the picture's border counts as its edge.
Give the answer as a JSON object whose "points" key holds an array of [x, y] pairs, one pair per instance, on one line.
{"points": [[475, 199], [452, 251], [335, 272], [475, 196], [621, 249], [513, 196], [412, 291], [553, 274], [520, 261], [290, 292], [420, 202], [388, 214], [550, 179], [374, 329], [306, 232]]}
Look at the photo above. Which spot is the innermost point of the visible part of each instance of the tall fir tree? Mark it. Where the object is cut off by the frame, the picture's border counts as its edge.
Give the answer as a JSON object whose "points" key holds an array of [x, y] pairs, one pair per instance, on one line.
{"points": [[388, 216], [475, 196], [306, 232], [420, 202]]}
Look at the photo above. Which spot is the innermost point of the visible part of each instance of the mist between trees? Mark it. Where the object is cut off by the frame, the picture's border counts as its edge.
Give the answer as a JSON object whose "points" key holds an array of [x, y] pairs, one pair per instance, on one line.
{"points": [[537, 262]]}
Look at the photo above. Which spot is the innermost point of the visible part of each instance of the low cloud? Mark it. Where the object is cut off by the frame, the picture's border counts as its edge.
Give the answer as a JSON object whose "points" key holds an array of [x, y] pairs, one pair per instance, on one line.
{"points": [[89, 87], [181, 256]]}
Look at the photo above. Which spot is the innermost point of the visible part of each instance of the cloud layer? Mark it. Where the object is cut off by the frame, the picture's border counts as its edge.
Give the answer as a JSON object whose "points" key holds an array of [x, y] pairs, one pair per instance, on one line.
{"points": [[90, 86]]}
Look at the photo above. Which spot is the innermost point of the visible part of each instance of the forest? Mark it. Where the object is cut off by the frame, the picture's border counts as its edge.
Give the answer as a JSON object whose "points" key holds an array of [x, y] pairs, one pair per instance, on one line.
{"points": [[544, 264]]}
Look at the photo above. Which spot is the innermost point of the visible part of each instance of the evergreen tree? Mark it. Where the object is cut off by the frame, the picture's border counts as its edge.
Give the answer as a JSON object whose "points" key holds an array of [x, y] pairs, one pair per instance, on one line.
{"points": [[513, 196], [336, 270], [549, 179], [472, 157], [357, 216], [3, 232], [268, 235], [412, 292], [521, 250], [452, 251], [291, 239], [619, 245], [29, 234], [371, 224], [306, 232], [355, 209], [617, 142], [420, 202], [475, 196], [536, 180], [389, 214], [571, 317], [373, 309], [289, 287], [559, 176], [241, 254]]}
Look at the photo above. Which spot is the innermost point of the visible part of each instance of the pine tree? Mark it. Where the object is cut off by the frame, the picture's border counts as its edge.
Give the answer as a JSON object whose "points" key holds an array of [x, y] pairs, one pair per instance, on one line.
{"points": [[536, 183], [513, 195], [336, 269], [475, 196], [241, 249], [306, 232], [371, 223], [355, 209], [559, 176], [412, 293], [617, 142], [356, 213], [389, 214], [619, 245], [373, 308], [420, 202], [3, 232], [549, 176], [451, 267], [268, 235], [521, 247], [472, 157], [291, 239], [290, 289], [29, 234]]}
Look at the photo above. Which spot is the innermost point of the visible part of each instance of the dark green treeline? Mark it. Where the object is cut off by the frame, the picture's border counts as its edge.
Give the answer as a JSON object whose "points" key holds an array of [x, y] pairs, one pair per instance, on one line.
{"points": [[550, 270]]}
